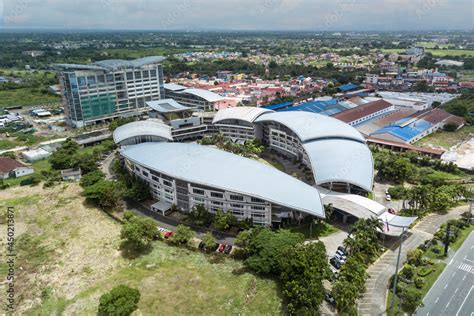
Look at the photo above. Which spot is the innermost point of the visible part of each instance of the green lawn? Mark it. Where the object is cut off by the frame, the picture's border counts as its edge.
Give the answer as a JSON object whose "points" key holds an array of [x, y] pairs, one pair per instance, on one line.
{"points": [[461, 238], [26, 96], [430, 279], [447, 139], [317, 230], [272, 162]]}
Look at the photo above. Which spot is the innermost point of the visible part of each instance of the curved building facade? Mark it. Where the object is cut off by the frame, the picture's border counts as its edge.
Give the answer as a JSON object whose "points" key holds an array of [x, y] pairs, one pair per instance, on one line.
{"points": [[142, 132], [187, 175]]}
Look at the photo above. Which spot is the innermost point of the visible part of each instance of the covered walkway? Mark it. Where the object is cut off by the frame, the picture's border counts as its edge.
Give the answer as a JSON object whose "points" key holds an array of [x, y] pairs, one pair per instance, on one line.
{"points": [[362, 207]]}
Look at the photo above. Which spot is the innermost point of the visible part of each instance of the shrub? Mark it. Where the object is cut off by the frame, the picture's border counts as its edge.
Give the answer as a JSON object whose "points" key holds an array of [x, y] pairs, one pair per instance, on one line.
{"points": [[419, 282], [209, 241], [121, 301], [424, 271], [414, 257], [182, 235], [408, 271], [411, 299]]}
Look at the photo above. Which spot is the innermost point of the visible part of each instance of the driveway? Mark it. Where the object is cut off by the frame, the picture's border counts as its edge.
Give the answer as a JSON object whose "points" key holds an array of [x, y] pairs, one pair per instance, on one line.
{"points": [[373, 301], [333, 241]]}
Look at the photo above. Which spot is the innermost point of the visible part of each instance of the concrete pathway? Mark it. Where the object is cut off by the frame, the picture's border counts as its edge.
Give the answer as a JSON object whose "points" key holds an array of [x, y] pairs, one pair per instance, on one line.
{"points": [[373, 301]]}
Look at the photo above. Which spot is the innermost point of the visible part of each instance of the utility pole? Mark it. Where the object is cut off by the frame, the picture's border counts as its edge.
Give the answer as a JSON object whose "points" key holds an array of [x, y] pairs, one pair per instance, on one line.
{"points": [[396, 269]]}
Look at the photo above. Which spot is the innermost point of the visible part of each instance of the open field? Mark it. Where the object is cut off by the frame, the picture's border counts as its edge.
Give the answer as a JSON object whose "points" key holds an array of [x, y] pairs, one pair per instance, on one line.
{"points": [[435, 52], [68, 256], [25, 96], [447, 139]]}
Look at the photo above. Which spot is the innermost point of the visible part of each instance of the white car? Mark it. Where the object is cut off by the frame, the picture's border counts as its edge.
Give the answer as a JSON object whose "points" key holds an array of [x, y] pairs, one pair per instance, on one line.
{"points": [[388, 197], [386, 191]]}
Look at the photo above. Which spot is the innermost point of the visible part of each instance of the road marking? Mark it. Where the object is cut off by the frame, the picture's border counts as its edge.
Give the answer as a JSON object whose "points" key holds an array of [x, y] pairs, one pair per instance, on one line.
{"points": [[437, 299], [456, 290], [450, 261], [465, 258], [465, 267], [464, 277], [446, 285], [454, 273], [460, 307]]}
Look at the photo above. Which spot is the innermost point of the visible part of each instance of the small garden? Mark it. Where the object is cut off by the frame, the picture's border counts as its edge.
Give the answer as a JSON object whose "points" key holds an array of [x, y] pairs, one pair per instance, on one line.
{"points": [[423, 266]]}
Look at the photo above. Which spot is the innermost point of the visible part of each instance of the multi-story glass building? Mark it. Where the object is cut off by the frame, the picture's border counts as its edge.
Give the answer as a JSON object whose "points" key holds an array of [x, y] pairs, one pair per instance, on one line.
{"points": [[109, 88]]}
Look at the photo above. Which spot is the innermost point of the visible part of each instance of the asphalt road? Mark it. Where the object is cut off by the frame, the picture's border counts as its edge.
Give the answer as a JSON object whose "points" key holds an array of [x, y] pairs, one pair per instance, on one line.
{"points": [[453, 292]]}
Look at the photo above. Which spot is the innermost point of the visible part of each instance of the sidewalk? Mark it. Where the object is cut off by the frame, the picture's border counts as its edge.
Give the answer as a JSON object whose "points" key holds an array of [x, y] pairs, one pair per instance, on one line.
{"points": [[374, 299]]}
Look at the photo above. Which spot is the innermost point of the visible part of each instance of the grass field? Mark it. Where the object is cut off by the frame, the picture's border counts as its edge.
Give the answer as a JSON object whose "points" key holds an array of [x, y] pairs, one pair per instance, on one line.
{"points": [[69, 255], [25, 96], [447, 139], [435, 52]]}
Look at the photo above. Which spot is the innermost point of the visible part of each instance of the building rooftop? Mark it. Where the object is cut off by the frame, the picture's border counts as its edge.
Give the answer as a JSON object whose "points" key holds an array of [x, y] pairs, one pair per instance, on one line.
{"points": [[243, 113], [7, 165], [361, 111], [142, 128], [208, 166], [168, 106], [205, 94], [341, 160], [174, 87], [113, 64], [309, 126]]}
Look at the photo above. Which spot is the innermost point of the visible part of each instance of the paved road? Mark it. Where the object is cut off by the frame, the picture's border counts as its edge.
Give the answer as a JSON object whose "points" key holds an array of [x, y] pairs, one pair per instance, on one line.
{"points": [[453, 292], [374, 299]]}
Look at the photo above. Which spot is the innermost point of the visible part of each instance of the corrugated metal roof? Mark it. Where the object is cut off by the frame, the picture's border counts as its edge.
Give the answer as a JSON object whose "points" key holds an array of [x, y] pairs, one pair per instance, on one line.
{"points": [[209, 166]]}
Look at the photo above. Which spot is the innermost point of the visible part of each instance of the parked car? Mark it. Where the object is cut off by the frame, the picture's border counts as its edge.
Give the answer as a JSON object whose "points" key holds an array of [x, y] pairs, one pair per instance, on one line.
{"points": [[328, 298], [335, 263], [221, 248], [342, 249], [342, 254], [386, 191], [168, 235], [388, 197], [391, 211], [227, 249], [340, 258]]}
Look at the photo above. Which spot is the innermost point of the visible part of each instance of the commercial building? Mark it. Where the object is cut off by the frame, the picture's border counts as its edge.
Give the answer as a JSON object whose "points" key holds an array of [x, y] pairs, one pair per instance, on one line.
{"points": [[187, 175], [204, 100], [109, 88]]}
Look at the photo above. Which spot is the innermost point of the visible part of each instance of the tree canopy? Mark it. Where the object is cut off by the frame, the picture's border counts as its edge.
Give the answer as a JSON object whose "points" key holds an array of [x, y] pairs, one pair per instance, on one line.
{"points": [[120, 301]]}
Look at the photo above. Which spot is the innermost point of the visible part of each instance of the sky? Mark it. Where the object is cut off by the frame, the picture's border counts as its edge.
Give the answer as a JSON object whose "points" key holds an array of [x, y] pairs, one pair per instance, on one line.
{"points": [[201, 15]]}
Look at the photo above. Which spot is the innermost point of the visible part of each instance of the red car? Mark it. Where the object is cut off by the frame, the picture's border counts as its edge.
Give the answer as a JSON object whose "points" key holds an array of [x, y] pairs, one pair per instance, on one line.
{"points": [[168, 234], [221, 248], [391, 211]]}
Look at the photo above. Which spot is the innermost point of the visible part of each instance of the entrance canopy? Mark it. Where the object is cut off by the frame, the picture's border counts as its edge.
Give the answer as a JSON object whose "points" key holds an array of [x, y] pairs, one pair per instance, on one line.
{"points": [[362, 207], [161, 206]]}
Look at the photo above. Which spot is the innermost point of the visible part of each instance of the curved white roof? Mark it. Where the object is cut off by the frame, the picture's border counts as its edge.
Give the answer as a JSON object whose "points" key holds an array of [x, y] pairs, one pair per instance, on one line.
{"points": [[341, 160], [209, 166], [243, 113], [309, 126], [168, 106], [205, 94], [141, 128]]}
